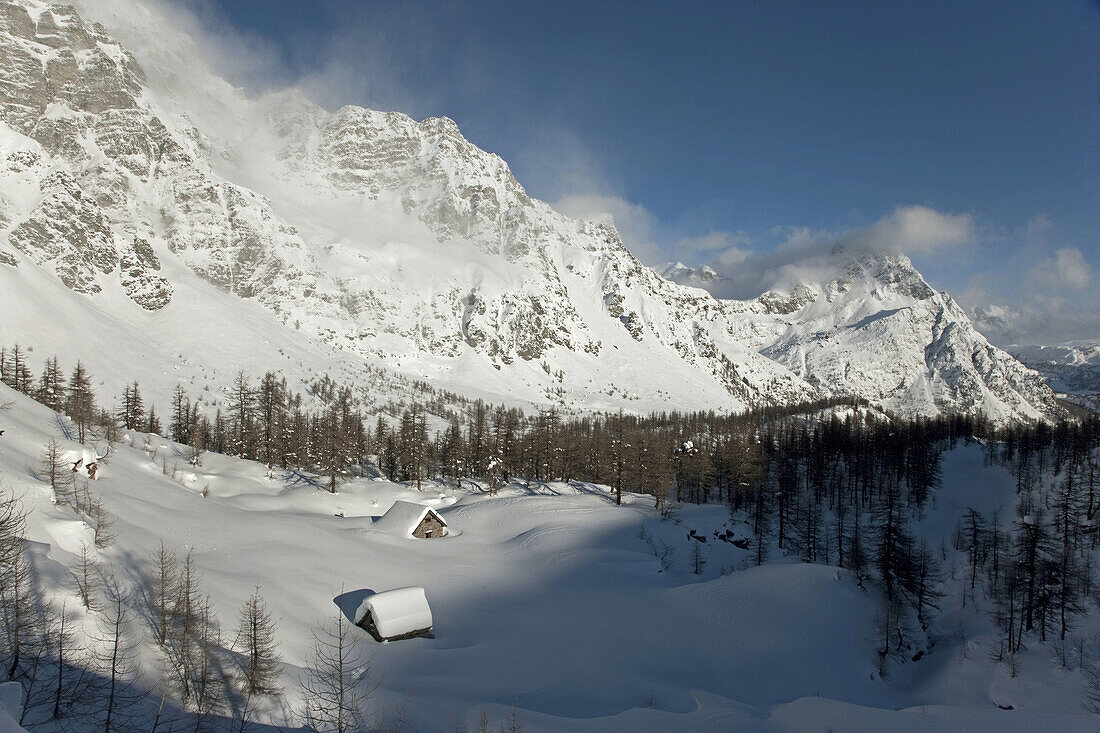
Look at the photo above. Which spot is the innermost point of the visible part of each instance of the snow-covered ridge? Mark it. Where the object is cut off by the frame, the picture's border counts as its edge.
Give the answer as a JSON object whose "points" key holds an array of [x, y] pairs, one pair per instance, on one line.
{"points": [[130, 175], [1072, 367]]}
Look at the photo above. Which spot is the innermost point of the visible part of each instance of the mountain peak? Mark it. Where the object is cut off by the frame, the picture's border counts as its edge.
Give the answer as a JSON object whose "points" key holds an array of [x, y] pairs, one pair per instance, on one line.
{"points": [[678, 272], [891, 271]]}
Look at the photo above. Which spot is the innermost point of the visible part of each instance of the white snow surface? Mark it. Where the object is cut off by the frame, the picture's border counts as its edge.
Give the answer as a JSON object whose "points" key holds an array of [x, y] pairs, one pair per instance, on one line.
{"points": [[551, 596], [396, 612], [11, 705]]}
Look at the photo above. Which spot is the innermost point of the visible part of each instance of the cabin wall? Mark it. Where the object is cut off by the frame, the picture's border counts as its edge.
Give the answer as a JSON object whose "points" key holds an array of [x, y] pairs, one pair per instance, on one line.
{"points": [[368, 625], [429, 528]]}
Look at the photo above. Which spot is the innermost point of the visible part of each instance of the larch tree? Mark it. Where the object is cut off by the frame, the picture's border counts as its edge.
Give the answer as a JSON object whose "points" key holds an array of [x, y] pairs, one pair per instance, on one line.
{"points": [[55, 470], [131, 412], [22, 607], [51, 386], [80, 401], [87, 578], [256, 638], [116, 663], [335, 700], [162, 589]]}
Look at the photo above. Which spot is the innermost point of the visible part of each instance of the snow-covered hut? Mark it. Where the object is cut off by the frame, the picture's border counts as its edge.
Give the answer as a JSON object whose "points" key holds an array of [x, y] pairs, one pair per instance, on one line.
{"points": [[84, 461], [401, 613], [412, 520]]}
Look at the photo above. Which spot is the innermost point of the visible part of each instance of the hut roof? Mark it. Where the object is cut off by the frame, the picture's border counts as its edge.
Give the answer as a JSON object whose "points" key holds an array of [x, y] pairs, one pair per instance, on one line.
{"points": [[397, 612], [404, 517]]}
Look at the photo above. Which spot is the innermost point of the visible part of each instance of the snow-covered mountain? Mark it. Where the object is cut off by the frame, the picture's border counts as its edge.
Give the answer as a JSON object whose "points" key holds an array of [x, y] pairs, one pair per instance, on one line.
{"points": [[869, 324], [698, 277], [150, 190], [1072, 369]]}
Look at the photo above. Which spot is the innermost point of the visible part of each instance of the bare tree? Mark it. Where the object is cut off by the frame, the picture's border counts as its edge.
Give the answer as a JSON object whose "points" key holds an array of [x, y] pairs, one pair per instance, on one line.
{"points": [[102, 521], [115, 662], [1092, 694], [88, 578], [513, 722], [73, 679], [21, 602], [697, 559], [162, 587], [57, 679], [53, 467], [335, 698], [210, 679]]}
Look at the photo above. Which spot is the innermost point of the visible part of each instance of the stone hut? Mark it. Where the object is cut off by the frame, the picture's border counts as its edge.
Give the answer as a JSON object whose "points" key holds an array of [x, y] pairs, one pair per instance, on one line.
{"points": [[412, 520], [402, 613]]}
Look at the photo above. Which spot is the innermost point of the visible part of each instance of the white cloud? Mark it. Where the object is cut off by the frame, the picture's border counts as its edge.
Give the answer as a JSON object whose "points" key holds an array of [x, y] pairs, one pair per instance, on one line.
{"points": [[200, 35], [712, 241], [1067, 269], [1073, 271], [807, 255], [1046, 294], [643, 233], [917, 230], [1036, 319], [1034, 296]]}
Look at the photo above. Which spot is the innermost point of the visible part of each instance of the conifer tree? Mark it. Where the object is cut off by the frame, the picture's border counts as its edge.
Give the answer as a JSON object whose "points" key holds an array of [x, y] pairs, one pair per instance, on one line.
{"points": [[242, 410], [261, 664], [131, 412], [51, 386], [80, 402], [180, 426], [152, 422]]}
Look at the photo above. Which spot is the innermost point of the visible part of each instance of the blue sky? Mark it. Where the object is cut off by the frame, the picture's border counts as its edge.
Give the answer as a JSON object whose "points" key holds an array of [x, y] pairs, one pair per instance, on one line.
{"points": [[712, 130]]}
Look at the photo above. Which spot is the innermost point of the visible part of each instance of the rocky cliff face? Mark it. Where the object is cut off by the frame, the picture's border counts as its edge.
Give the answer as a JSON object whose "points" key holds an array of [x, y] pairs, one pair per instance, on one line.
{"points": [[403, 243]]}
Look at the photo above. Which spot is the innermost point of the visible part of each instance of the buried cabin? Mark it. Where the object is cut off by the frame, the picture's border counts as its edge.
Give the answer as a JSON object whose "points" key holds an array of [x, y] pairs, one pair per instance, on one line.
{"points": [[402, 613], [412, 520]]}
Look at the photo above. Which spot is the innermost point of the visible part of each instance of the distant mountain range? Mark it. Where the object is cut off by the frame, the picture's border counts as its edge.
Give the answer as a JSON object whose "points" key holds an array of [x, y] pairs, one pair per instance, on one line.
{"points": [[1072, 369], [142, 194]]}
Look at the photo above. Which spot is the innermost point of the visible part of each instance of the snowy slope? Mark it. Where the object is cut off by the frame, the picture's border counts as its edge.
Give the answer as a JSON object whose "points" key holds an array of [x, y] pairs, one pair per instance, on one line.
{"points": [[550, 597], [139, 180]]}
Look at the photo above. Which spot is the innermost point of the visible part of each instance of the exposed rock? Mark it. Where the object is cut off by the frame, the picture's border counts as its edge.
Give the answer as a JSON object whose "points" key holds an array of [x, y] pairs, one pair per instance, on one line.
{"points": [[68, 231], [139, 265]]}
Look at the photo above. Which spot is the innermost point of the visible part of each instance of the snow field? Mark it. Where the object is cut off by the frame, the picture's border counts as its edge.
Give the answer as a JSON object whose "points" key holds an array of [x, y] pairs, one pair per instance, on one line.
{"points": [[548, 596]]}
